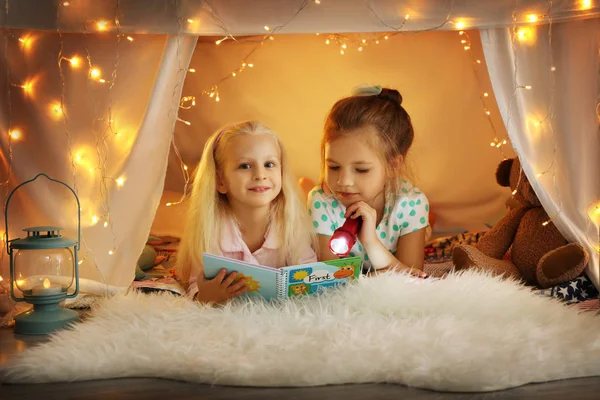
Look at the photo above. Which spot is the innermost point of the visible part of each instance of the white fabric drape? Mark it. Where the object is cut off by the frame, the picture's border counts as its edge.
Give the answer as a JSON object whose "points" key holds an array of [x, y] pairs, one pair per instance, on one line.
{"points": [[112, 133], [244, 17], [554, 126]]}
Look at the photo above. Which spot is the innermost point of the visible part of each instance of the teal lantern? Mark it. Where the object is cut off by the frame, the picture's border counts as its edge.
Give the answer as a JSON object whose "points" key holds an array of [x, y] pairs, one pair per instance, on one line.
{"points": [[43, 266]]}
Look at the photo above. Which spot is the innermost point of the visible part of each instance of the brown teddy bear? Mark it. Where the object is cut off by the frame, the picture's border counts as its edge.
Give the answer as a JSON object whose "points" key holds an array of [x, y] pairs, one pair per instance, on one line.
{"points": [[539, 254]]}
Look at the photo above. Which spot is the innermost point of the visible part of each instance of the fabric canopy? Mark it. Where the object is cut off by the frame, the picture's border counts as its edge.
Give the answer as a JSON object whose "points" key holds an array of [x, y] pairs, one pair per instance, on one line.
{"points": [[241, 17]]}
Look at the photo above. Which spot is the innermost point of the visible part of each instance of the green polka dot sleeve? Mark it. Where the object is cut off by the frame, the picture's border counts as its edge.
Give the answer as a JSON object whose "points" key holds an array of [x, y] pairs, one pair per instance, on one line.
{"points": [[410, 212], [324, 212]]}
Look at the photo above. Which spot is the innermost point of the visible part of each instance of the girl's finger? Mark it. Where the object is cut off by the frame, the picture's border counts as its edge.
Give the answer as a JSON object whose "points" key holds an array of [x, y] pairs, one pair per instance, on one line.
{"points": [[351, 209], [230, 278], [418, 273], [237, 286], [220, 276], [238, 292]]}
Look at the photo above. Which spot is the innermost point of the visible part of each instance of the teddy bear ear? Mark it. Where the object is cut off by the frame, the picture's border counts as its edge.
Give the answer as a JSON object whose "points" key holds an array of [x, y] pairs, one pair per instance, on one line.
{"points": [[503, 172]]}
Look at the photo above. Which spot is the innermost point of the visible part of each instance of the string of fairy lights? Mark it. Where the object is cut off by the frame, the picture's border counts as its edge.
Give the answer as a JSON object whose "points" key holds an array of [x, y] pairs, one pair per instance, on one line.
{"points": [[526, 35], [105, 129]]}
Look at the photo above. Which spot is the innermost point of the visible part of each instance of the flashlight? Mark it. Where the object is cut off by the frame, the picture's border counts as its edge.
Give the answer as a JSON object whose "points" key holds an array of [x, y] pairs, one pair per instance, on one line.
{"points": [[344, 237]]}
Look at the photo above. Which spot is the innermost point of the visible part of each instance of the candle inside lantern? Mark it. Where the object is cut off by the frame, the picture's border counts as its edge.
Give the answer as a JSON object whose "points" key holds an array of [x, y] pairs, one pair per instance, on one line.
{"points": [[46, 288]]}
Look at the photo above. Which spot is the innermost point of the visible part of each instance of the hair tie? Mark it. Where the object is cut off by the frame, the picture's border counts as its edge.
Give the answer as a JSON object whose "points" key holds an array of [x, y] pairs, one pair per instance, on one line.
{"points": [[366, 89]]}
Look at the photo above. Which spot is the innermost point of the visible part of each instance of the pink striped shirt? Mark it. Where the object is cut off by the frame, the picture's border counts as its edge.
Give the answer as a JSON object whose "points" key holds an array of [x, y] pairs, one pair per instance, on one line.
{"points": [[232, 245]]}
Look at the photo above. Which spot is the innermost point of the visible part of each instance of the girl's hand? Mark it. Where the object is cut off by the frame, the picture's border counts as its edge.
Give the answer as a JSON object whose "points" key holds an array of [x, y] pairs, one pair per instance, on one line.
{"points": [[368, 231], [221, 288], [417, 273]]}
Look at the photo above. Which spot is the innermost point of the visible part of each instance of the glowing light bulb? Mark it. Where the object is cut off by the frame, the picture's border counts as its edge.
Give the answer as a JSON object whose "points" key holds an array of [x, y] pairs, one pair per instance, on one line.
{"points": [[485, 94], [79, 262], [15, 134], [95, 73], [102, 25], [75, 61], [553, 68], [478, 61], [251, 65], [514, 192], [461, 32], [342, 52], [463, 41], [233, 74], [26, 42], [528, 87], [191, 21], [386, 37], [267, 28], [344, 46], [28, 87], [192, 70], [538, 174], [56, 109], [407, 16], [169, 204], [546, 223], [594, 213], [120, 181], [185, 167], [467, 47], [460, 25], [586, 4], [532, 18], [217, 99], [111, 252], [487, 112], [327, 41], [364, 41], [525, 34], [317, 1], [360, 48], [66, 4], [130, 38], [105, 224], [95, 219], [101, 81]]}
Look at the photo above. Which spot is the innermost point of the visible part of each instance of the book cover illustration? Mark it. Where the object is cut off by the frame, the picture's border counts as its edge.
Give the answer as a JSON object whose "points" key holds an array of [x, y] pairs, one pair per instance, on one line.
{"points": [[314, 277], [289, 281]]}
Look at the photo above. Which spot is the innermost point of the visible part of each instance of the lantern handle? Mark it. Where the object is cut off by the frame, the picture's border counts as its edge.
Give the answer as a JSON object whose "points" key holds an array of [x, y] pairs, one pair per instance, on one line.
{"points": [[53, 180]]}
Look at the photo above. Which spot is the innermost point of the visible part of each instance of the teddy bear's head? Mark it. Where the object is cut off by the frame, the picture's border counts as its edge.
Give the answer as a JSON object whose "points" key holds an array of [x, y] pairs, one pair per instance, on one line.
{"points": [[510, 174]]}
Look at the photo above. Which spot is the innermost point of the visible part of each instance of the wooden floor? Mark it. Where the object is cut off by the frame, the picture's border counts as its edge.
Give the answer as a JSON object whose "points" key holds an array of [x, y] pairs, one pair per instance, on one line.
{"points": [[116, 389]]}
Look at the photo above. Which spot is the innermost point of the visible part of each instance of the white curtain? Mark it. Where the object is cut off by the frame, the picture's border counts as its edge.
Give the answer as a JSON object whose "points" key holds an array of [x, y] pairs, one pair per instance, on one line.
{"points": [[110, 141], [546, 82]]}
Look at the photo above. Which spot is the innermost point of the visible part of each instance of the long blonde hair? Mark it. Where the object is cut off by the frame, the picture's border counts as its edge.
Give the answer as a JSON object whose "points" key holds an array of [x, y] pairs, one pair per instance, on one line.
{"points": [[208, 208]]}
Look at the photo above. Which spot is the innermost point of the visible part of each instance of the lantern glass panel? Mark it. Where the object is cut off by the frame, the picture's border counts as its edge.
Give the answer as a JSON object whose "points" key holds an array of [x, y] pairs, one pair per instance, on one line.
{"points": [[44, 271]]}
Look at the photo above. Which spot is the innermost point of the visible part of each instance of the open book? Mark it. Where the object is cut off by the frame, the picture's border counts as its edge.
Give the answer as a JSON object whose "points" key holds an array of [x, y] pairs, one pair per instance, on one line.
{"points": [[280, 283]]}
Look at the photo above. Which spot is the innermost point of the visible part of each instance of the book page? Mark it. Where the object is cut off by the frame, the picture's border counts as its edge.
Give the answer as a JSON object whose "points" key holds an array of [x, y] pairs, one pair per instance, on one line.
{"points": [[314, 277], [260, 280]]}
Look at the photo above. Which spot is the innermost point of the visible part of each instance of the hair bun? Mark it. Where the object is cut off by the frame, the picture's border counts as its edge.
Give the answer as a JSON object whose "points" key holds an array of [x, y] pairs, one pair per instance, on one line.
{"points": [[391, 95]]}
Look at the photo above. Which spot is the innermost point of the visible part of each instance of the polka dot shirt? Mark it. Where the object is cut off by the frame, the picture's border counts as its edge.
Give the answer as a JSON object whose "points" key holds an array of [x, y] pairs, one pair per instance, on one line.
{"points": [[407, 212]]}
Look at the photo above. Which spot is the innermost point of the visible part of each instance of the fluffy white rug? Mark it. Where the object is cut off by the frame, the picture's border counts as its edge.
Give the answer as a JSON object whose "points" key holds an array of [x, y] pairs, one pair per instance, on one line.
{"points": [[469, 332]]}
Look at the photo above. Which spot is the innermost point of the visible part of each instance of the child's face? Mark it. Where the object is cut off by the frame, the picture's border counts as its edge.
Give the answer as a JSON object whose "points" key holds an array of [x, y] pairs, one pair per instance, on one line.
{"points": [[353, 171], [251, 170]]}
